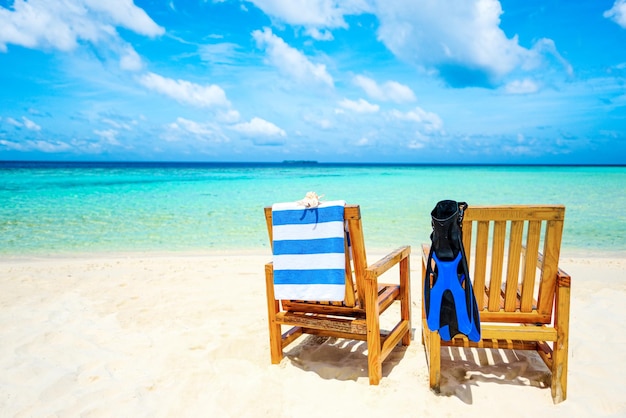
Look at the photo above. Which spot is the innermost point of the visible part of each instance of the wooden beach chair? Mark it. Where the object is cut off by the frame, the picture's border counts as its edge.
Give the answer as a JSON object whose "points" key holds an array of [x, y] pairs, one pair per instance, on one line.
{"points": [[358, 315], [522, 295]]}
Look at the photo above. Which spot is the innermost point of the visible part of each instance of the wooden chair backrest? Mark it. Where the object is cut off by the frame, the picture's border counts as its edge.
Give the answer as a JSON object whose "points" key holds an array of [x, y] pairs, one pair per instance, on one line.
{"points": [[515, 287], [355, 265]]}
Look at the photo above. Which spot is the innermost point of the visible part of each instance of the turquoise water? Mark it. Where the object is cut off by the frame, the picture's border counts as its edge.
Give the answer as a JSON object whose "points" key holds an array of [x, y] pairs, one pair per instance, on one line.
{"points": [[54, 208]]}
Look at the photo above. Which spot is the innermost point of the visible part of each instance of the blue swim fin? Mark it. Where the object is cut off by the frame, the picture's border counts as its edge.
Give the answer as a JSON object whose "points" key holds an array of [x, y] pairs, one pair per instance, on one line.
{"points": [[449, 303], [442, 309]]}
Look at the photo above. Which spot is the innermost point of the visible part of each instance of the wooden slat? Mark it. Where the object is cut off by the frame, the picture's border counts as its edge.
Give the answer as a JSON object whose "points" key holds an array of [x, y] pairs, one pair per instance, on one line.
{"points": [[512, 274], [467, 228], [394, 338], [515, 212], [334, 334], [530, 266], [517, 332], [359, 258], [551, 253], [320, 308], [532, 317], [497, 258], [349, 298], [268, 222], [352, 326], [290, 336], [480, 266], [387, 294]]}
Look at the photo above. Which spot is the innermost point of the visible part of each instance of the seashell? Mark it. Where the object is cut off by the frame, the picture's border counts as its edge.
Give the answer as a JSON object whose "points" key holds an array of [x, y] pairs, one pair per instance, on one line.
{"points": [[311, 200]]}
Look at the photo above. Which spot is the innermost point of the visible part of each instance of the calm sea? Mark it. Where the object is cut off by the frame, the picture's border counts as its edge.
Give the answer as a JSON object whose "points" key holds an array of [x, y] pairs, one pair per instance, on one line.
{"points": [[60, 208]]}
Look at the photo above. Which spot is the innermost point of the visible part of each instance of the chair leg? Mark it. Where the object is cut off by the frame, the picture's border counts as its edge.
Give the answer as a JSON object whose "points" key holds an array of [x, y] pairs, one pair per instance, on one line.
{"points": [[276, 344], [560, 350], [372, 313], [434, 357], [405, 302]]}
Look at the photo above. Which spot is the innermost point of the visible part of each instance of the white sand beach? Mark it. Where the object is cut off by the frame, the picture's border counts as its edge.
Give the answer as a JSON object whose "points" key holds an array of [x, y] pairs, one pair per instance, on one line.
{"points": [[185, 335]]}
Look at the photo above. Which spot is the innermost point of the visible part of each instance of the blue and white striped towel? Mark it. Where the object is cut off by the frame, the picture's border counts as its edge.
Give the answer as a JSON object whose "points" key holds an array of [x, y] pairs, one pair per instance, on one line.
{"points": [[309, 255]]}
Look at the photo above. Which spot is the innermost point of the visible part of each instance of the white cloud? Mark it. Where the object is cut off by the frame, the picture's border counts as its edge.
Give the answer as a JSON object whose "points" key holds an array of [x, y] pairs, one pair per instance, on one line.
{"points": [[359, 106], [182, 129], [130, 60], [37, 145], [220, 53], [185, 91], [363, 142], [617, 13], [389, 91], [192, 127], [320, 35], [109, 135], [125, 13], [14, 122], [462, 41], [524, 86], [25, 123], [63, 25], [30, 125], [312, 13], [431, 122], [118, 124], [547, 47], [318, 120], [259, 127], [289, 60], [228, 116]]}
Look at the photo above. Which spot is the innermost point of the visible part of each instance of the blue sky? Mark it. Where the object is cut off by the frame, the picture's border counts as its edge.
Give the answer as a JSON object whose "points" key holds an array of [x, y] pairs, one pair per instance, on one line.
{"points": [[410, 81]]}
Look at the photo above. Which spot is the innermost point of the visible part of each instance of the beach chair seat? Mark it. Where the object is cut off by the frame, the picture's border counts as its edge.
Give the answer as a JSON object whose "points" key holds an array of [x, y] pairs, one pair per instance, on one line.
{"points": [[355, 317], [523, 296]]}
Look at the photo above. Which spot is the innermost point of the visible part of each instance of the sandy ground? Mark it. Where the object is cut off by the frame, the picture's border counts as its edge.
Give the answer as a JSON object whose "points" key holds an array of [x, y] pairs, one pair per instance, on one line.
{"points": [[185, 335]]}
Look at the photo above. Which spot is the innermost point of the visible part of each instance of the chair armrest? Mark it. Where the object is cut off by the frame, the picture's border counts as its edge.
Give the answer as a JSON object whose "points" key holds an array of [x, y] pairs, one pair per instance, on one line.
{"points": [[389, 260], [563, 279]]}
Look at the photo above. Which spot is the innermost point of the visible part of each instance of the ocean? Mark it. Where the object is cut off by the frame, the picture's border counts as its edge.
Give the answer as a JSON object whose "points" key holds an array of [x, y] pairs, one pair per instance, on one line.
{"points": [[52, 208]]}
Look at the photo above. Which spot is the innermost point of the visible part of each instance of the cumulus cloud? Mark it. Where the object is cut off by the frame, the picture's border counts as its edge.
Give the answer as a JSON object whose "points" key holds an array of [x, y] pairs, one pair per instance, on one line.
{"points": [[259, 127], [312, 13], [125, 13], [62, 25], [431, 122], [524, 86], [461, 41], [186, 91], [359, 106], [547, 47], [289, 60], [617, 13], [388, 91]]}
